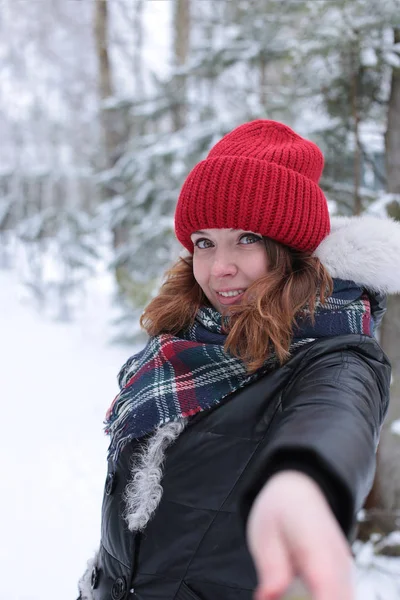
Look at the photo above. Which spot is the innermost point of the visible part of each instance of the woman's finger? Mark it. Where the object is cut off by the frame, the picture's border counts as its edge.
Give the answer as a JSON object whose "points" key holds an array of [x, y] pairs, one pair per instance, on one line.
{"points": [[292, 531], [273, 566], [327, 568], [330, 583]]}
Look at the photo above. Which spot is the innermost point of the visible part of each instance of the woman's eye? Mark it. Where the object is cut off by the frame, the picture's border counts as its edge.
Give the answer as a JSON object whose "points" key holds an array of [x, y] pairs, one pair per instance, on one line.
{"points": [[249, 238], [203, 243]]}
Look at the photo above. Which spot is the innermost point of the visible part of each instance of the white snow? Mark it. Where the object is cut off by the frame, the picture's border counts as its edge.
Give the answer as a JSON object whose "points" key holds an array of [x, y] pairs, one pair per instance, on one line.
{"points": [[378, 207], [392, 59], [57, 380], [369, 57], [395, 427]]}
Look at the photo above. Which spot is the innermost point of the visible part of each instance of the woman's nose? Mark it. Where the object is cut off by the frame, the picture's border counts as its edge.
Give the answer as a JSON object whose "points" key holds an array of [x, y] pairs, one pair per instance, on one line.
{"points": [[223, 265]]}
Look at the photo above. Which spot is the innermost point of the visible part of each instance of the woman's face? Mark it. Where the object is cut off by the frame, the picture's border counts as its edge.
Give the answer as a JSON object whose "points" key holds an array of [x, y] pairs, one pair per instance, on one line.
{"points": [[226, 262]]}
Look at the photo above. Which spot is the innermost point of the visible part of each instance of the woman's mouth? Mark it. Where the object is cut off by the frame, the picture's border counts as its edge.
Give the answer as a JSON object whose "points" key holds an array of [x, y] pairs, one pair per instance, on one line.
{"points": [[230, 296]]}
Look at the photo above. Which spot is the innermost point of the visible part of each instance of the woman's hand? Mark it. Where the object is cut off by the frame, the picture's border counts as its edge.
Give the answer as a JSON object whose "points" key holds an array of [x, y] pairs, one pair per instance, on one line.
{"points": [[291, 533]]}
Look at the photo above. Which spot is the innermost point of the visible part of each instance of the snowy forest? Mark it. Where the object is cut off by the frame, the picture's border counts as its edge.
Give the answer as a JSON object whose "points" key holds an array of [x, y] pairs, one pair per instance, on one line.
{"points": [[107, 104]]}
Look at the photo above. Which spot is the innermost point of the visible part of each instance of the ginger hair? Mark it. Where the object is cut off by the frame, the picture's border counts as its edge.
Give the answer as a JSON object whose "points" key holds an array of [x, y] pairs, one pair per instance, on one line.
{"points": [[266, 318]]}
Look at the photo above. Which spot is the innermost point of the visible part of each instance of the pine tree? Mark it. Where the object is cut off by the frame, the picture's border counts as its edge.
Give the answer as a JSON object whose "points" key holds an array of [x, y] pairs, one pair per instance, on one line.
{"points": [[60, 253], [187, 112], [346, 70]]}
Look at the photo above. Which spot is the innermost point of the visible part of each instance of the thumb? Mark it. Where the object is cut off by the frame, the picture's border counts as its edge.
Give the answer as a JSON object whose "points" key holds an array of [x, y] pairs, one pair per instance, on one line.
{"points": [[273, 565]]}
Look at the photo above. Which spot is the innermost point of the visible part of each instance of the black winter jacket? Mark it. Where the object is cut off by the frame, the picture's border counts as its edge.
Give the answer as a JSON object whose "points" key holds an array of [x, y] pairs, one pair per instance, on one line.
{"points": [[320, 413]]}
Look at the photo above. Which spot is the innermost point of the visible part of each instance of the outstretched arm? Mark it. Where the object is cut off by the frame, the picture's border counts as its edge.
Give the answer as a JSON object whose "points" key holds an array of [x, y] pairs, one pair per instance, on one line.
{"points": [[314, 473]]}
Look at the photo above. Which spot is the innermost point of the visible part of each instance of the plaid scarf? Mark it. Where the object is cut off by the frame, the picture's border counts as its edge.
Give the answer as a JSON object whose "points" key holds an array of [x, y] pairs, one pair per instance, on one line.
{"points": [[179, 376]]}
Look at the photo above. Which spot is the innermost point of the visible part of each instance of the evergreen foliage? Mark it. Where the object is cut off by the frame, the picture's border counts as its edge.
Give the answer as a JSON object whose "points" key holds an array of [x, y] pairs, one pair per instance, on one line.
{"points": [[322, 67]]}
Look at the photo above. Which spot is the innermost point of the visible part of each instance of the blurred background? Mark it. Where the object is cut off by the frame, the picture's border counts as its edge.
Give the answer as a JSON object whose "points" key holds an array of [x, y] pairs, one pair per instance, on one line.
{"points": [[104, 108]]}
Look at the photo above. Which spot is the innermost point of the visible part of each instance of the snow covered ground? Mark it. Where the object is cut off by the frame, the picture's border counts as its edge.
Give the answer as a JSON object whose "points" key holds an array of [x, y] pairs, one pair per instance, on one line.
{"points": [[57, 381]]}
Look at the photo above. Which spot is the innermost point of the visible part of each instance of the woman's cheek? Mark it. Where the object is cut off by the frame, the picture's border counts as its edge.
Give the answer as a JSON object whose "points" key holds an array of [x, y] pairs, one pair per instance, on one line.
{"points": [[199, 273]]}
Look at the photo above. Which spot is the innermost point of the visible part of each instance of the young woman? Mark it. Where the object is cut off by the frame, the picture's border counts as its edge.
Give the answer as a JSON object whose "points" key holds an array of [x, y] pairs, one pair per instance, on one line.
{"points": [[243, 438]]}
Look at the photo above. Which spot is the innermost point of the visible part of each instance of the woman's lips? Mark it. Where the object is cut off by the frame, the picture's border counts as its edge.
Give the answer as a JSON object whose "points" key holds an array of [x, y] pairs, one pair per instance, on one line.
{"points": [[228, 300]]}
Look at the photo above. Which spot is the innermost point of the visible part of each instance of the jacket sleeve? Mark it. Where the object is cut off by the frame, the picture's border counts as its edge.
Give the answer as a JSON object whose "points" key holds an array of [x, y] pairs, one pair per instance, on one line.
{"points": [[328, 426]]}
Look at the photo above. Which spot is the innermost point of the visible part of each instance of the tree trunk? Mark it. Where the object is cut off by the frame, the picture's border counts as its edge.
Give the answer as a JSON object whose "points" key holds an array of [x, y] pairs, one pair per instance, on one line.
{"points": [[181, 50], [390, 334], [386, 490], [263, 80], [356, 122], [138, 50], [392, 137], [105, 85], [113, 134], [391, 326]]}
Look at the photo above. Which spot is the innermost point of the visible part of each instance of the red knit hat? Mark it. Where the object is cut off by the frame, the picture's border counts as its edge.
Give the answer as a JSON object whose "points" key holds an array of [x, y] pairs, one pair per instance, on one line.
{"points": [[261, 177]]}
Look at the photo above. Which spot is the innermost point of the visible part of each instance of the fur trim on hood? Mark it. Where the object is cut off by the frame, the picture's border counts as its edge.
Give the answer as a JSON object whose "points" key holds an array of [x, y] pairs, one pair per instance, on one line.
{"points": [[365, 250]]}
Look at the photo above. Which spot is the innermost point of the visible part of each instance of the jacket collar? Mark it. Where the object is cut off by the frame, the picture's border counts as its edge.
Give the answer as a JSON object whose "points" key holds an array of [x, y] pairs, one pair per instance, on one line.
{"points": [[365, 250]]}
